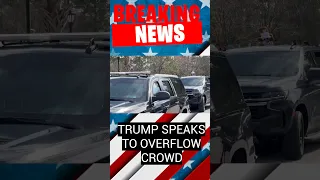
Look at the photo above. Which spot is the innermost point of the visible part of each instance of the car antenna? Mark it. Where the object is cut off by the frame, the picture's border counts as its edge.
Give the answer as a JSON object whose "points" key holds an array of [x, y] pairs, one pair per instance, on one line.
{"points": [[91, 47]]}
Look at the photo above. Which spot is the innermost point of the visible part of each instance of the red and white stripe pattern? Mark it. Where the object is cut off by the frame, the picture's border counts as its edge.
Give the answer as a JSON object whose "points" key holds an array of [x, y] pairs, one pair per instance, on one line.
{"points": [[127, 164]]}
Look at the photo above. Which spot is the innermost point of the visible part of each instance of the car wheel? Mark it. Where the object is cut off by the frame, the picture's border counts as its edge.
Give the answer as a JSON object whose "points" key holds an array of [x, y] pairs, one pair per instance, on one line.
{"points": [[202, 105], [293, 142]]}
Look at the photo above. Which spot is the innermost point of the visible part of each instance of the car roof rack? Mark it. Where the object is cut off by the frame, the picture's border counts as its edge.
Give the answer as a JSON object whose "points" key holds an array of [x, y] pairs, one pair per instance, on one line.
{"points": [[166, 75], [135, 73], [95, 39], [86, 36]]}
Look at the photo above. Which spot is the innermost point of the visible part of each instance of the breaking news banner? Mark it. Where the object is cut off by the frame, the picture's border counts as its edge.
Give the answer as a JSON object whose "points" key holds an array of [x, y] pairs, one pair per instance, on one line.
{"points": [[160, 146], [159, 27]]}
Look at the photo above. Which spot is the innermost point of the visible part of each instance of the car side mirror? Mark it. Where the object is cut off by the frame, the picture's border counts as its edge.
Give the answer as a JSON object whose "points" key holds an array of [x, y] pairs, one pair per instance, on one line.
{"points": [[313, 75], [160, 96]]}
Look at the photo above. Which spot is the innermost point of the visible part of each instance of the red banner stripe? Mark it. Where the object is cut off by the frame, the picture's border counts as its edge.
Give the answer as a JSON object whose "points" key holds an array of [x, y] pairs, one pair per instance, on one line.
{"points": [[201, 172], [126, 35]]}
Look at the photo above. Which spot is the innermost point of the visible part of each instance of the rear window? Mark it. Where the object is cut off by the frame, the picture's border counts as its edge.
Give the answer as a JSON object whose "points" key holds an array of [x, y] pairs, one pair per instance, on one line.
{"points": [[192, 81]]}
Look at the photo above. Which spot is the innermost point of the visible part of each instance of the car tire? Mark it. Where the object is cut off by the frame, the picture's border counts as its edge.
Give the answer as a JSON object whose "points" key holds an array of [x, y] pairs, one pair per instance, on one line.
{"points": [[293, 141], [202, 105]]}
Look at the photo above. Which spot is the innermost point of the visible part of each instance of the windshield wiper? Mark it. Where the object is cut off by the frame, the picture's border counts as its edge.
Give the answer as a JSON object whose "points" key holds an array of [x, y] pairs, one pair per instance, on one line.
{"points": [[12, 120]]}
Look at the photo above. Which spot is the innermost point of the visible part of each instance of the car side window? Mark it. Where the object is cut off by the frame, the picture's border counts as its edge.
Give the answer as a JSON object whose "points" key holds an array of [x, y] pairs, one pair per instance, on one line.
{"points": [[178, 86], [225, 90], [309, 62], [317, 59], [155, 88], [167, 87]]}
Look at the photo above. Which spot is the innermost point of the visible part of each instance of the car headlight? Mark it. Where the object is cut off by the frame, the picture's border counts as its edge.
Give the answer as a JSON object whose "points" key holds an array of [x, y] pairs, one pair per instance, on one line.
{"points": [[275, 95]]}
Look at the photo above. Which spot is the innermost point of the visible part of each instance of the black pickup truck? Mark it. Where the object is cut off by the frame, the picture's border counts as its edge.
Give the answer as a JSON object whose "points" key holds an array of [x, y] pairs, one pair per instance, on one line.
{"points": [[141, 92], [231, 133], [281, 85], [54, 98]]}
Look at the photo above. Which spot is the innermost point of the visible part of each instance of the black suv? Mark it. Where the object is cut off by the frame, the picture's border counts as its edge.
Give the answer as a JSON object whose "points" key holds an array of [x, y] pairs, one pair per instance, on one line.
{"points": [[198, 90], [141, 92], [54, 98], [231, 134], [281, 85]]}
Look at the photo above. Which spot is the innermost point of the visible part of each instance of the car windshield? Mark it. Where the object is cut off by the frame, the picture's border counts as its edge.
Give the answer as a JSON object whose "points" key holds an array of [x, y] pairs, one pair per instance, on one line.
{"points": [[52, 82], [265, 63], [128, 89], [192, 81]]}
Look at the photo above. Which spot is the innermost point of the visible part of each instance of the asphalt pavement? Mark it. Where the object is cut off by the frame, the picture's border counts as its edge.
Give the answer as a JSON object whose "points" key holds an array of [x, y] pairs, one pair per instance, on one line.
{"points": [[312, 154]]}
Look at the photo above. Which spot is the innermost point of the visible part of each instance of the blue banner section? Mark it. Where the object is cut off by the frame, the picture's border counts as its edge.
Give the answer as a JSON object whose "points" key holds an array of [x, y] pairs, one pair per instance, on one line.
{"points": [[28, 171], [166, 50], [115, 119], [194, 162]]}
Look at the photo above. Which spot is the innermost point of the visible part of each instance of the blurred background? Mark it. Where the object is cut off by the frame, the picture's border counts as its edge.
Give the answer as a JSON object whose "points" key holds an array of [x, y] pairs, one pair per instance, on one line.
{"points": [[181, 66], [53, 16], [237, 22]]}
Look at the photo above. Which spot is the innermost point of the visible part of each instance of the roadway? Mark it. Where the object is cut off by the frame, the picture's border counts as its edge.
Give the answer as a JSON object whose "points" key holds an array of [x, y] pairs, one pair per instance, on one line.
{"points": [[312, 154]]}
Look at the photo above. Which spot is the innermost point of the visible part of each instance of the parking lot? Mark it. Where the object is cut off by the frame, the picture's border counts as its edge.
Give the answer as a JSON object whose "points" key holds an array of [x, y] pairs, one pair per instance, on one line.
{"points": [[312, 154]]}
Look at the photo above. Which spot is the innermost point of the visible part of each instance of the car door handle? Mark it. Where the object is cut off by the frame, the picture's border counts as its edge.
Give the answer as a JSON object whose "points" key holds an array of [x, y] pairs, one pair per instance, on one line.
{"points": [[216, 129]]}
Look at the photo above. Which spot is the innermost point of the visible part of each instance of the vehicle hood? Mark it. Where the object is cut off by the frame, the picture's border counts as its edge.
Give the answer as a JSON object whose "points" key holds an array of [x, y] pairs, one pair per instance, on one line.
{"points": [[51, 144], [248, 83], [127, 107]]}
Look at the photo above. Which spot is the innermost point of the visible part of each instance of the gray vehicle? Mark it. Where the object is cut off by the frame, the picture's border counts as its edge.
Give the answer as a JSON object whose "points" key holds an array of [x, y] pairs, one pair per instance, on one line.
{"points": [[198, 90], [143, 92], [281, 85]]}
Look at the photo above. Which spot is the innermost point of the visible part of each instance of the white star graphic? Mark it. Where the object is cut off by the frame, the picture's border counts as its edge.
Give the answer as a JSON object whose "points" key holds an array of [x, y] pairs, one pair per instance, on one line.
{"points": [[205, 3], [207, 146], [113, 126], [150, 53], [187, 53], [113, 53], [112, 19], [188, 164], [132, 2], [169, 2], [205, 37]]}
